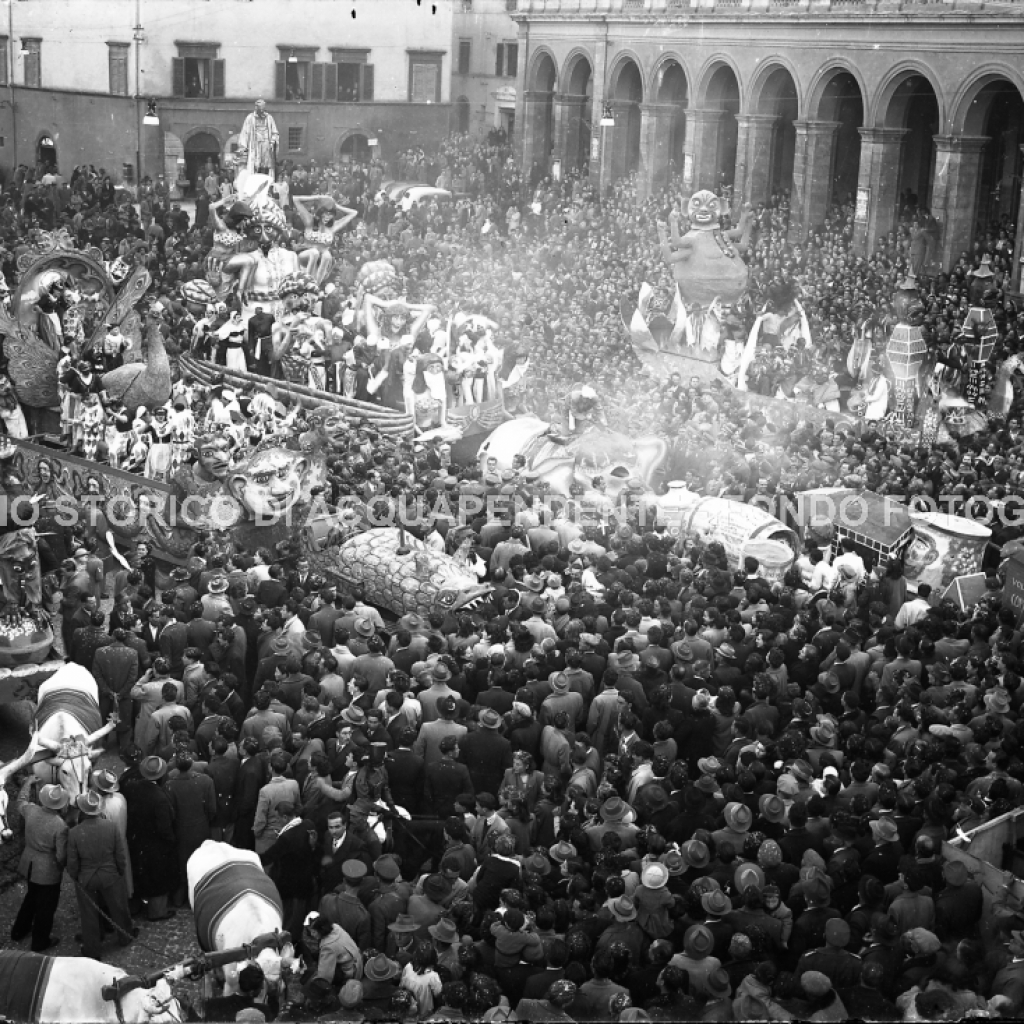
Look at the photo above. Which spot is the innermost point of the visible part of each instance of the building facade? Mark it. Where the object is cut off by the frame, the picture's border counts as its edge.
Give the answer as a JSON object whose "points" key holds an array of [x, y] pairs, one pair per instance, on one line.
{"points": [[485, 66], [339, 77], [875, 101]]}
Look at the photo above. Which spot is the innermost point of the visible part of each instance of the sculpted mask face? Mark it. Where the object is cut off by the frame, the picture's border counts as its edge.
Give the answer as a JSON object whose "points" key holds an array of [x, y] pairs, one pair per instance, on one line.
{"points": [[703, 209], [215, 457], [271, 483]]}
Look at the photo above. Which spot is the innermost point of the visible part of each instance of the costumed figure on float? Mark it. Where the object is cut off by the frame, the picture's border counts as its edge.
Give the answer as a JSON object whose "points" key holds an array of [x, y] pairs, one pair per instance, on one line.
{"points": [[322, 226]]}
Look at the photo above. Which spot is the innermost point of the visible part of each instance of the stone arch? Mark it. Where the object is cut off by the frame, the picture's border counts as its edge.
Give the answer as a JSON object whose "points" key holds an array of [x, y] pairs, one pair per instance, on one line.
{"points": [[204, 147], [768, 86], [626, 91], [910, 101], [577, 78], [990, 105], [719, 88], [773, 92], [837, 94], [543, 75], [670, 86]]}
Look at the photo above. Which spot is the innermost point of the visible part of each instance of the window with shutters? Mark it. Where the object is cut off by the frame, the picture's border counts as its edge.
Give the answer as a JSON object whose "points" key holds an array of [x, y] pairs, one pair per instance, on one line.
{"points": [[354, 76], [294, 140], [506, 60], [33, 62], [117, 58], [465, 51], [425, 76], [196, 72], [299, 78]]}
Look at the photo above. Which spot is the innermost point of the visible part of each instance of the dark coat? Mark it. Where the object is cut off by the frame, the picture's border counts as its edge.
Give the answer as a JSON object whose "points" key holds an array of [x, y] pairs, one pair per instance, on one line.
{"points": [[443, 782], [292, 861], [96, 851], [224, 772], [355, 846], [194, 800], [405, 777], [487, 755], [152, 843], [116, 668]]}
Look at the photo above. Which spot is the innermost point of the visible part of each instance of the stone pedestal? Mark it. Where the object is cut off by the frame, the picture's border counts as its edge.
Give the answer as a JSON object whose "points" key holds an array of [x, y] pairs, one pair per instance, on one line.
{"points": [[812, 174], [754, 157], [955, 193], [880, 176]]}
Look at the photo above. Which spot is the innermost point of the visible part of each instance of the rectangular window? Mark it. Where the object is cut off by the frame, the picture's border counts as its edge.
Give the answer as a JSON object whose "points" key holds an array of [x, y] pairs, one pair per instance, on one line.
{"points": [[117, 57], [506, 60], [33, 63], [425, 76], [294, 140], [464, 54], [295, 79], [4, 41], [354, 76], [196, 72]]}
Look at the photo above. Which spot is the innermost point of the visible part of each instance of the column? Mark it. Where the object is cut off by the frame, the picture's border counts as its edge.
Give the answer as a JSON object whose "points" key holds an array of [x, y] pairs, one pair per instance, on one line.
{"points": [[615, 142], [700, 148], [597, 137], [569, 113], [754, 157], [812, 174], [955, 192], [536, 131], [655, 144], [878, 186], [1018, 244]]}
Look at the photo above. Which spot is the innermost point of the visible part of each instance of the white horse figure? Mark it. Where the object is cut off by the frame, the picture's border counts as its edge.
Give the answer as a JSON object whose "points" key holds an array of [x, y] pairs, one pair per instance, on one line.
{"points": [[69, 990], [7, 772], [235, 902], [67, 723]]}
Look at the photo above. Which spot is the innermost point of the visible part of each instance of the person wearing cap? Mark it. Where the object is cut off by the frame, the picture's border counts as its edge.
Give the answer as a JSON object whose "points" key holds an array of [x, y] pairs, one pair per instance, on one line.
{"points": [[696, 959], [959, 906], [428, 743], [343, 907], [486, 752], [97, 861], [833, 959], [42, 862], [440, 677], [562, 698], [809, 927], [380, 976]]}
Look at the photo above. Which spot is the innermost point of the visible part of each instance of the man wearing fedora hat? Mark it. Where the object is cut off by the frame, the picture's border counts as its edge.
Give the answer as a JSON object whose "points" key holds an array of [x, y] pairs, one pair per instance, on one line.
{"points": [[380, 976], [486, 752], [152, 842], [42, 862], [98, 862], [440, 676]]}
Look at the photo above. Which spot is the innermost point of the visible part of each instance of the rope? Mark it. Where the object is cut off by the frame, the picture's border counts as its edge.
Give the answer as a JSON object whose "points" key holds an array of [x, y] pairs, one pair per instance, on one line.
{"points": [[83, 892]]}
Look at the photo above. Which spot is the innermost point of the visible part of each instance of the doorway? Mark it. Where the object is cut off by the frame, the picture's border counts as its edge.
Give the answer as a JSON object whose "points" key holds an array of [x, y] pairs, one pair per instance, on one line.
{"points": [[46, 155], [202, 154]]}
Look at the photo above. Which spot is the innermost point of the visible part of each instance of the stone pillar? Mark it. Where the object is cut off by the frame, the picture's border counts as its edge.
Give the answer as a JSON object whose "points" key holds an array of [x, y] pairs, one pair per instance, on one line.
{"points": [[655, 144], [753, 157], [812, 174], [955, 192], [536, 131], [700, 149], [570, 112], [1018, 244], [615, 143], [597, 136], [880, 175]]}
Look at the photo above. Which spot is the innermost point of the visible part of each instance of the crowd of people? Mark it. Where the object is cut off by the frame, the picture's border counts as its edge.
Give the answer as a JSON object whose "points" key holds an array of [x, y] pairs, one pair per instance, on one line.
{"points": [[640, 783]]}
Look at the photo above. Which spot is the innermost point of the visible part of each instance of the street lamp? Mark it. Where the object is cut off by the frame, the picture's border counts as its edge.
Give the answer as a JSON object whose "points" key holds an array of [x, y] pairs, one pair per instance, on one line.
{"points": [[151, 117], [292, 59], [607, 117]]}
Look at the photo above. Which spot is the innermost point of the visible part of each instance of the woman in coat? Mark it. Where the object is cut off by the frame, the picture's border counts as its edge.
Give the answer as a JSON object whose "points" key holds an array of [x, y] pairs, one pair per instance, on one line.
{"points": [[152, 842]]}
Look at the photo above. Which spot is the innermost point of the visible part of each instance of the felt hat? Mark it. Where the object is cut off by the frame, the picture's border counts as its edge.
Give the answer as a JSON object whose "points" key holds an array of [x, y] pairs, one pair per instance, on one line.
{"points": [[311, 640], [533, 583], [89, 803], [824, 733], [404, 923], [771, 807], [217, 585], [801, 770], [180, 575], [103, 780], [444, 931], [54, 798], [706, 784], [386, 867], [738, 817], [884, 830], [747, 875], [727, 651], [709, 765], [623, 909], [436, 888], [716, 903], [655, 797], [698, 942], [152, 768], [489, 719], [559, 683], [562, 851], [674, 861], [380, 968], [354, 715], [441, 672], [538, 864], [614, 809], [654, 876], [364, 627], [717, 983], [786, 785], [997, 702], [682, 651], [280, 645], [696, 853]]}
